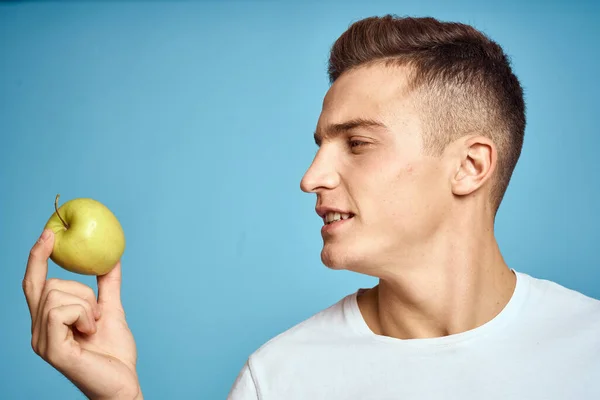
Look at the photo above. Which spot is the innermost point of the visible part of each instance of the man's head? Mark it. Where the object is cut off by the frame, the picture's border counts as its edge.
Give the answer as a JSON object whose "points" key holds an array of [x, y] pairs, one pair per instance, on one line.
{"points": [[423, 124]]}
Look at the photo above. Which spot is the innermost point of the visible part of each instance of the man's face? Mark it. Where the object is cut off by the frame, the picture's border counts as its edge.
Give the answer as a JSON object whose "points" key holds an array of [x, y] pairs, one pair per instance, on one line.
{"points": [[370, 171]]}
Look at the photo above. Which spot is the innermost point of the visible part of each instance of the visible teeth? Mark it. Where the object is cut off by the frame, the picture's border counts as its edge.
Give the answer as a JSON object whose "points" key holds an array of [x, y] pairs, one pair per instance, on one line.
{"points": [[335, 216]]}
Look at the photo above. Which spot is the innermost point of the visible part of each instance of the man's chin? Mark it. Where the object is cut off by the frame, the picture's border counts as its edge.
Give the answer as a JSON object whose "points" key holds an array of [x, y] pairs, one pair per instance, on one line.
{"points": [[330, 260], [350, 259], [337, 259]]}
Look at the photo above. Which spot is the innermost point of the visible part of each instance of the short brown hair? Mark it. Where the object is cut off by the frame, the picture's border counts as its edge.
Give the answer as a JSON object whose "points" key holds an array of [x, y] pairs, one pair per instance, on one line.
{"points": [[465, 81]]}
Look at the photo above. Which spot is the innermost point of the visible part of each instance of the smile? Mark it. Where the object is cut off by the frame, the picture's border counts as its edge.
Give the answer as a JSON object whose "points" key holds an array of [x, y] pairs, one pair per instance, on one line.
{"points": [[332, 217]]}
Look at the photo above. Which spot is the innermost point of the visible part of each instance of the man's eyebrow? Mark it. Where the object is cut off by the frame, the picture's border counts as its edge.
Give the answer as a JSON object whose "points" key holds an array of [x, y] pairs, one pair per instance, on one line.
{"points": [[337, 129]]}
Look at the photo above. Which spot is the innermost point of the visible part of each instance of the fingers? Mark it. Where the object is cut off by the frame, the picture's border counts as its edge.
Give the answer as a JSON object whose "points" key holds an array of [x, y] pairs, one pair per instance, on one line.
{"points": [[60, 311], [37, 270], [73, 287], [57, 333], [109, 287], [54, 288]]}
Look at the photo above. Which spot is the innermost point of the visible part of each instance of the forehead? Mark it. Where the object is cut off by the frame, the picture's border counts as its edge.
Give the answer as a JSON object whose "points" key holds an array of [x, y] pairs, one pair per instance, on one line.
{"points": [[370, 92]]}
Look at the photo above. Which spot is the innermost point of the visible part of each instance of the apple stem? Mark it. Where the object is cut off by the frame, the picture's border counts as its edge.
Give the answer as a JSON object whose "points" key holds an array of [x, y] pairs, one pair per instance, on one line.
{"points": [[56, 208]]}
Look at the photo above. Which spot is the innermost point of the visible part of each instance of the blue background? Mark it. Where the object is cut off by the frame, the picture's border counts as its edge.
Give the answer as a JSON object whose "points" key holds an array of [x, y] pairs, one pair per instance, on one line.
{"points": [[193, 122]]}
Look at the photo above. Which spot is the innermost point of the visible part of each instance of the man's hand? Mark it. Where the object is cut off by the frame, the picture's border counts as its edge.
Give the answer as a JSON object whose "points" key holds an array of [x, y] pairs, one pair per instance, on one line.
{"points": [[85, 338]]}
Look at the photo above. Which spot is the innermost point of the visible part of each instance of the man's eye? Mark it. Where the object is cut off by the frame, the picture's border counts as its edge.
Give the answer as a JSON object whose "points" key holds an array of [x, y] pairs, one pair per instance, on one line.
{"points": [[357, 143]]}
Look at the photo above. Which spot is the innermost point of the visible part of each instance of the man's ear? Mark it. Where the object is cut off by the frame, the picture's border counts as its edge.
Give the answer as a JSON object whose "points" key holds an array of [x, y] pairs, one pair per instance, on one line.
{"points": [[475, 165]]}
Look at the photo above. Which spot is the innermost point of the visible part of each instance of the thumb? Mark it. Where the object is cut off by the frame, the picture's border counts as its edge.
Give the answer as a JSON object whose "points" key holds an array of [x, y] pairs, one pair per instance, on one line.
{"points": [[109, 287]]}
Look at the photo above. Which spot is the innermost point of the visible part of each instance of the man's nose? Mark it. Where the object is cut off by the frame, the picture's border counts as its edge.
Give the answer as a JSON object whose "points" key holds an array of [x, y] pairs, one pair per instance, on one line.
{"points": [[321, 174]]}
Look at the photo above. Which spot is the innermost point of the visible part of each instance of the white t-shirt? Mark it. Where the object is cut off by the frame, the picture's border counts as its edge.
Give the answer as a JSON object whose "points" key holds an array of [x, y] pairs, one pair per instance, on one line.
{"points": [[545, 344]]}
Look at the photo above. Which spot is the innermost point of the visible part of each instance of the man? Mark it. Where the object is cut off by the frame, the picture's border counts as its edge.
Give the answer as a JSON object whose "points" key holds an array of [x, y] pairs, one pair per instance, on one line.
{"points": [[418, 137]]}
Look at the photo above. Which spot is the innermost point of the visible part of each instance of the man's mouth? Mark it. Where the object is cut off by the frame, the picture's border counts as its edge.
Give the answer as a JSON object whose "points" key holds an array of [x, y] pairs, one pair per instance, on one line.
{"points": [[332, 217]]}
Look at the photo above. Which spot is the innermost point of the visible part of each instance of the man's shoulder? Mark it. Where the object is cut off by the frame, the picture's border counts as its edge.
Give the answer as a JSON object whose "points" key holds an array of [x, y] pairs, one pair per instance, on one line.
{"points": [[556, 302], [551, 290], [282, 351], [329, 324]]}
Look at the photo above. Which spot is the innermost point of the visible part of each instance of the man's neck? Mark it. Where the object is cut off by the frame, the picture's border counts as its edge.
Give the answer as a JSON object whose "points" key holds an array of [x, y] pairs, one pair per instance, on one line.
{"points": [[459, 289]]}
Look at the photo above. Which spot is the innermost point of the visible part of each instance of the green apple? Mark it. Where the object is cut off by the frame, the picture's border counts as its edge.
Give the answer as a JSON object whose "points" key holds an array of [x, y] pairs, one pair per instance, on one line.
{"points": [[88, 238]]}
